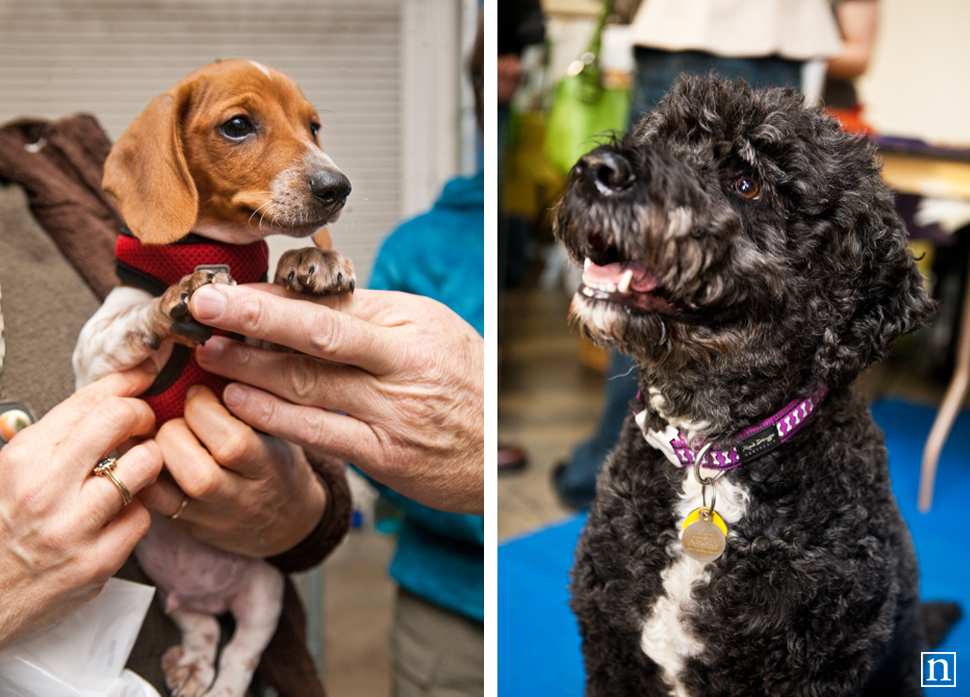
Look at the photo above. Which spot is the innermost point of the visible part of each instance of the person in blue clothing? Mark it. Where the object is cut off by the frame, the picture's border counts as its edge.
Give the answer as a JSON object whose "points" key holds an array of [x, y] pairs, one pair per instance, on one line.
{"points": [[437, 639]]}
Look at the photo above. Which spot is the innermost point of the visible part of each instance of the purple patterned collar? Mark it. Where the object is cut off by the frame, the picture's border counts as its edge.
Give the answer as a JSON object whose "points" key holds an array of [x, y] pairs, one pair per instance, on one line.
{"points": [[750, 443]]}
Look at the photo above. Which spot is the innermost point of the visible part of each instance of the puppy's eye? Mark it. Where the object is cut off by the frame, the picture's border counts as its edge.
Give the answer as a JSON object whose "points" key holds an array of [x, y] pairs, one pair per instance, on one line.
{"points": [[237, 127], [314, 129], [747, 187]]}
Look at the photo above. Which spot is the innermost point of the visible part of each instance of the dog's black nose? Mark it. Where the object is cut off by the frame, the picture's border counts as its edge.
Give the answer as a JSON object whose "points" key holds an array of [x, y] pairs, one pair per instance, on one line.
{"points": [[607, 171], [330, 187]]}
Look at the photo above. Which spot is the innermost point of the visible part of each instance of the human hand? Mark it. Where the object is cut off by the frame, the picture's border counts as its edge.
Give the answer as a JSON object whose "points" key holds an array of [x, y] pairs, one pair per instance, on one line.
{"points": [[63, 531], [509, 76], [407, 373], [858, 22], [249, 493]]}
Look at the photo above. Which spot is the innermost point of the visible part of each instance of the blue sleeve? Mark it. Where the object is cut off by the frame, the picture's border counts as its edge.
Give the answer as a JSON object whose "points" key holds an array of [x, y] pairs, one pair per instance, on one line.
{"points": [[385, 274], [456, 525]]}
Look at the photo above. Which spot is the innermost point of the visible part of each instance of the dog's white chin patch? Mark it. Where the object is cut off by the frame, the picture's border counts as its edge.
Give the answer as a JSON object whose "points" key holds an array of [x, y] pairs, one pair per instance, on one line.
{"points": [[666, 636], [604, 323]]}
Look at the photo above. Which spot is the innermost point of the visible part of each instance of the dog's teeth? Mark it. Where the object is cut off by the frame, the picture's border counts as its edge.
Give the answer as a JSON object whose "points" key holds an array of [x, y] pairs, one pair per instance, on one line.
{"points": [[587, 263], [588, 292], [625, 280]]}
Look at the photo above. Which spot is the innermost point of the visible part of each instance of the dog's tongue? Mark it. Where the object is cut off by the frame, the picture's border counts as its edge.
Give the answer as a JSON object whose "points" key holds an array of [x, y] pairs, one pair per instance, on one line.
{"points": [[612, 274]]}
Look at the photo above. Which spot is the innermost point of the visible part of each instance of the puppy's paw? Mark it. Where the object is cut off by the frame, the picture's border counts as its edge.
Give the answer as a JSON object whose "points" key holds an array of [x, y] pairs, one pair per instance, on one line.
{"points": [[186, 675], [314, 271], [174, 307]]}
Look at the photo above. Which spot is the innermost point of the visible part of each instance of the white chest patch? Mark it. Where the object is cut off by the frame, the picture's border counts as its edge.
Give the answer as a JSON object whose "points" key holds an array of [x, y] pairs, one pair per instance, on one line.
{"points": [[665, 637]]}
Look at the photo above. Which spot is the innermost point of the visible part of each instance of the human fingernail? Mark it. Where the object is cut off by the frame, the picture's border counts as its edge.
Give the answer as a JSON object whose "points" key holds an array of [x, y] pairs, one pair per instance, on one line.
{"points": [[208, 302], [234, 395]]}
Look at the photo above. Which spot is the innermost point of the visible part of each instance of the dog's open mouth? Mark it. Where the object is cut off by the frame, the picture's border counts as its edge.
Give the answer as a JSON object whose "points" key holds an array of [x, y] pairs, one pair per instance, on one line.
{"points": [[625, 283], [629, 284], [612, 274]]}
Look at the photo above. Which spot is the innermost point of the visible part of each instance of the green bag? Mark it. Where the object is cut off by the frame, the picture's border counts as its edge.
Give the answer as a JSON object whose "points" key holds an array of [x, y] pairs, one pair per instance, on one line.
{"points": [[585, 112]]}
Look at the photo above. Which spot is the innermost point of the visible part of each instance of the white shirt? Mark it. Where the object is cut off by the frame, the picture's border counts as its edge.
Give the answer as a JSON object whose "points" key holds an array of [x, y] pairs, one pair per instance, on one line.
{"points": [[794, 29]]}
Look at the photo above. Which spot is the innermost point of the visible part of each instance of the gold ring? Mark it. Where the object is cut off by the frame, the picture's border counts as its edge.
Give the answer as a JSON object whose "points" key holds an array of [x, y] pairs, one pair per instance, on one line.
{"points": [[185, 502], [106, 468]]}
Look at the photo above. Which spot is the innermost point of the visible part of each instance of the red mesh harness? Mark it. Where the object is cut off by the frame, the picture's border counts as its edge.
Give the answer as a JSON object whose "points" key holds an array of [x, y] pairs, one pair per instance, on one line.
{"points": [[156, 267]]}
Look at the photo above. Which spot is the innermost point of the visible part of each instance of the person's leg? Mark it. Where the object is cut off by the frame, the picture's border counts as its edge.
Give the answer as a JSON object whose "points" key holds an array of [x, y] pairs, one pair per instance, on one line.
{"points": [[436, 653], [765, 71], [575, 480], [503, 118], [657, 70]]}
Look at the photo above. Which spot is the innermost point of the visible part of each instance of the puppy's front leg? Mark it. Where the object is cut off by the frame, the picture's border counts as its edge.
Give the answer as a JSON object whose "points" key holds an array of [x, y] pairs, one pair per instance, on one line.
{"points": [[131, 325]]}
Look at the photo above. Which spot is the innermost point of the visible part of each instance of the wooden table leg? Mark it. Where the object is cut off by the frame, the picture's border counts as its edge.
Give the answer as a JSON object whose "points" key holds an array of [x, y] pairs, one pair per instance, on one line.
{"points": [[956, 391]]}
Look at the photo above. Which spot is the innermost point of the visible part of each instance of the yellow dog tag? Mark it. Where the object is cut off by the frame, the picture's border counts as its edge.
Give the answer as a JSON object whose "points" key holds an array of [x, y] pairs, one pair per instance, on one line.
{"points": [[705, 536], [695, 516]]}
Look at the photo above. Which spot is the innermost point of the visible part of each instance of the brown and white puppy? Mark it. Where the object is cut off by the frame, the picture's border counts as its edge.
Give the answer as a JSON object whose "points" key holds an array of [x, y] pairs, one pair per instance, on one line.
{"points": [[230, 154]]}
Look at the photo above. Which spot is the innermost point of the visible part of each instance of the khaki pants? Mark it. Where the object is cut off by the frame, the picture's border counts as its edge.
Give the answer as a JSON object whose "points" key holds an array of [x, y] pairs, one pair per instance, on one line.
{"points": [[436, 653]]}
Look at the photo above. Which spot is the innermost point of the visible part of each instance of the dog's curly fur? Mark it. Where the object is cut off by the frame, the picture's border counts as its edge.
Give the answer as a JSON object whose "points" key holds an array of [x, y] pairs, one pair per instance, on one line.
{"points": [[769, 261]]}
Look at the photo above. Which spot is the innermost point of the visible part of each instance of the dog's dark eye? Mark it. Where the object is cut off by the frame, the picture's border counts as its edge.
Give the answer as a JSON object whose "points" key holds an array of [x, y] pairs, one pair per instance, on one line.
{"points": [[747, 187], [314, 129], [238, 127]]}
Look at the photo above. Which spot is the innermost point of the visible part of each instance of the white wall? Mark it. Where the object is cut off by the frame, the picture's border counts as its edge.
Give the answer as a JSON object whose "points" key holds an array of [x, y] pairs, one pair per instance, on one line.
{"points": [[918, 83]]}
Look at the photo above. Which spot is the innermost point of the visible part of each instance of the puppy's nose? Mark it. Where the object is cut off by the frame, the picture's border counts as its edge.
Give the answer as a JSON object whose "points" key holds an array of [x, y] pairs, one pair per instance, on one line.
{"points": [[608, 172], [330, 187]]}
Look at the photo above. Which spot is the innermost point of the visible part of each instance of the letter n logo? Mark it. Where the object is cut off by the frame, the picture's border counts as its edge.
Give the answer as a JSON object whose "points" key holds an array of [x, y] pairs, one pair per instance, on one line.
{"points": [[939, 670]]}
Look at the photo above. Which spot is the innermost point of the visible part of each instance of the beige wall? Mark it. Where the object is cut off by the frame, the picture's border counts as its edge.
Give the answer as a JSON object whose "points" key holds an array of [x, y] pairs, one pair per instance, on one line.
{"points": [[918, 83]]}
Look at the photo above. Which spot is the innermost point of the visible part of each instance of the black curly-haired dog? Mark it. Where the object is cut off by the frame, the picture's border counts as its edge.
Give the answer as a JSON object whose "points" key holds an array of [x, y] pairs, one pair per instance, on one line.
{"points": [[745, 251]]}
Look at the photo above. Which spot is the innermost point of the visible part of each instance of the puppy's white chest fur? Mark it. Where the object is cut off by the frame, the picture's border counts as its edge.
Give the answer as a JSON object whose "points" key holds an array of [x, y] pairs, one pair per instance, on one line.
{"points": [[666, 637]]}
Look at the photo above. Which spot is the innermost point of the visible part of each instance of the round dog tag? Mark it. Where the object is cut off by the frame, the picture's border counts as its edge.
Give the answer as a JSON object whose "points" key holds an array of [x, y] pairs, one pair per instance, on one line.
{"points": [[703, 539], [716, 519]]}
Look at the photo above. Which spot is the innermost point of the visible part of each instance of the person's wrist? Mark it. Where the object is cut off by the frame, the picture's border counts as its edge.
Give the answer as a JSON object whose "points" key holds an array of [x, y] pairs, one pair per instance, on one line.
{"points": [[316, 505], [332, 526], [303, 554], [304, 514]]}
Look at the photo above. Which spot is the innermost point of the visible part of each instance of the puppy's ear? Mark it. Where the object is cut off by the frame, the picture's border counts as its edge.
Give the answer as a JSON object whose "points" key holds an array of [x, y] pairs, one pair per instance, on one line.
{"points": [[147, 174], [880, 298]]}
